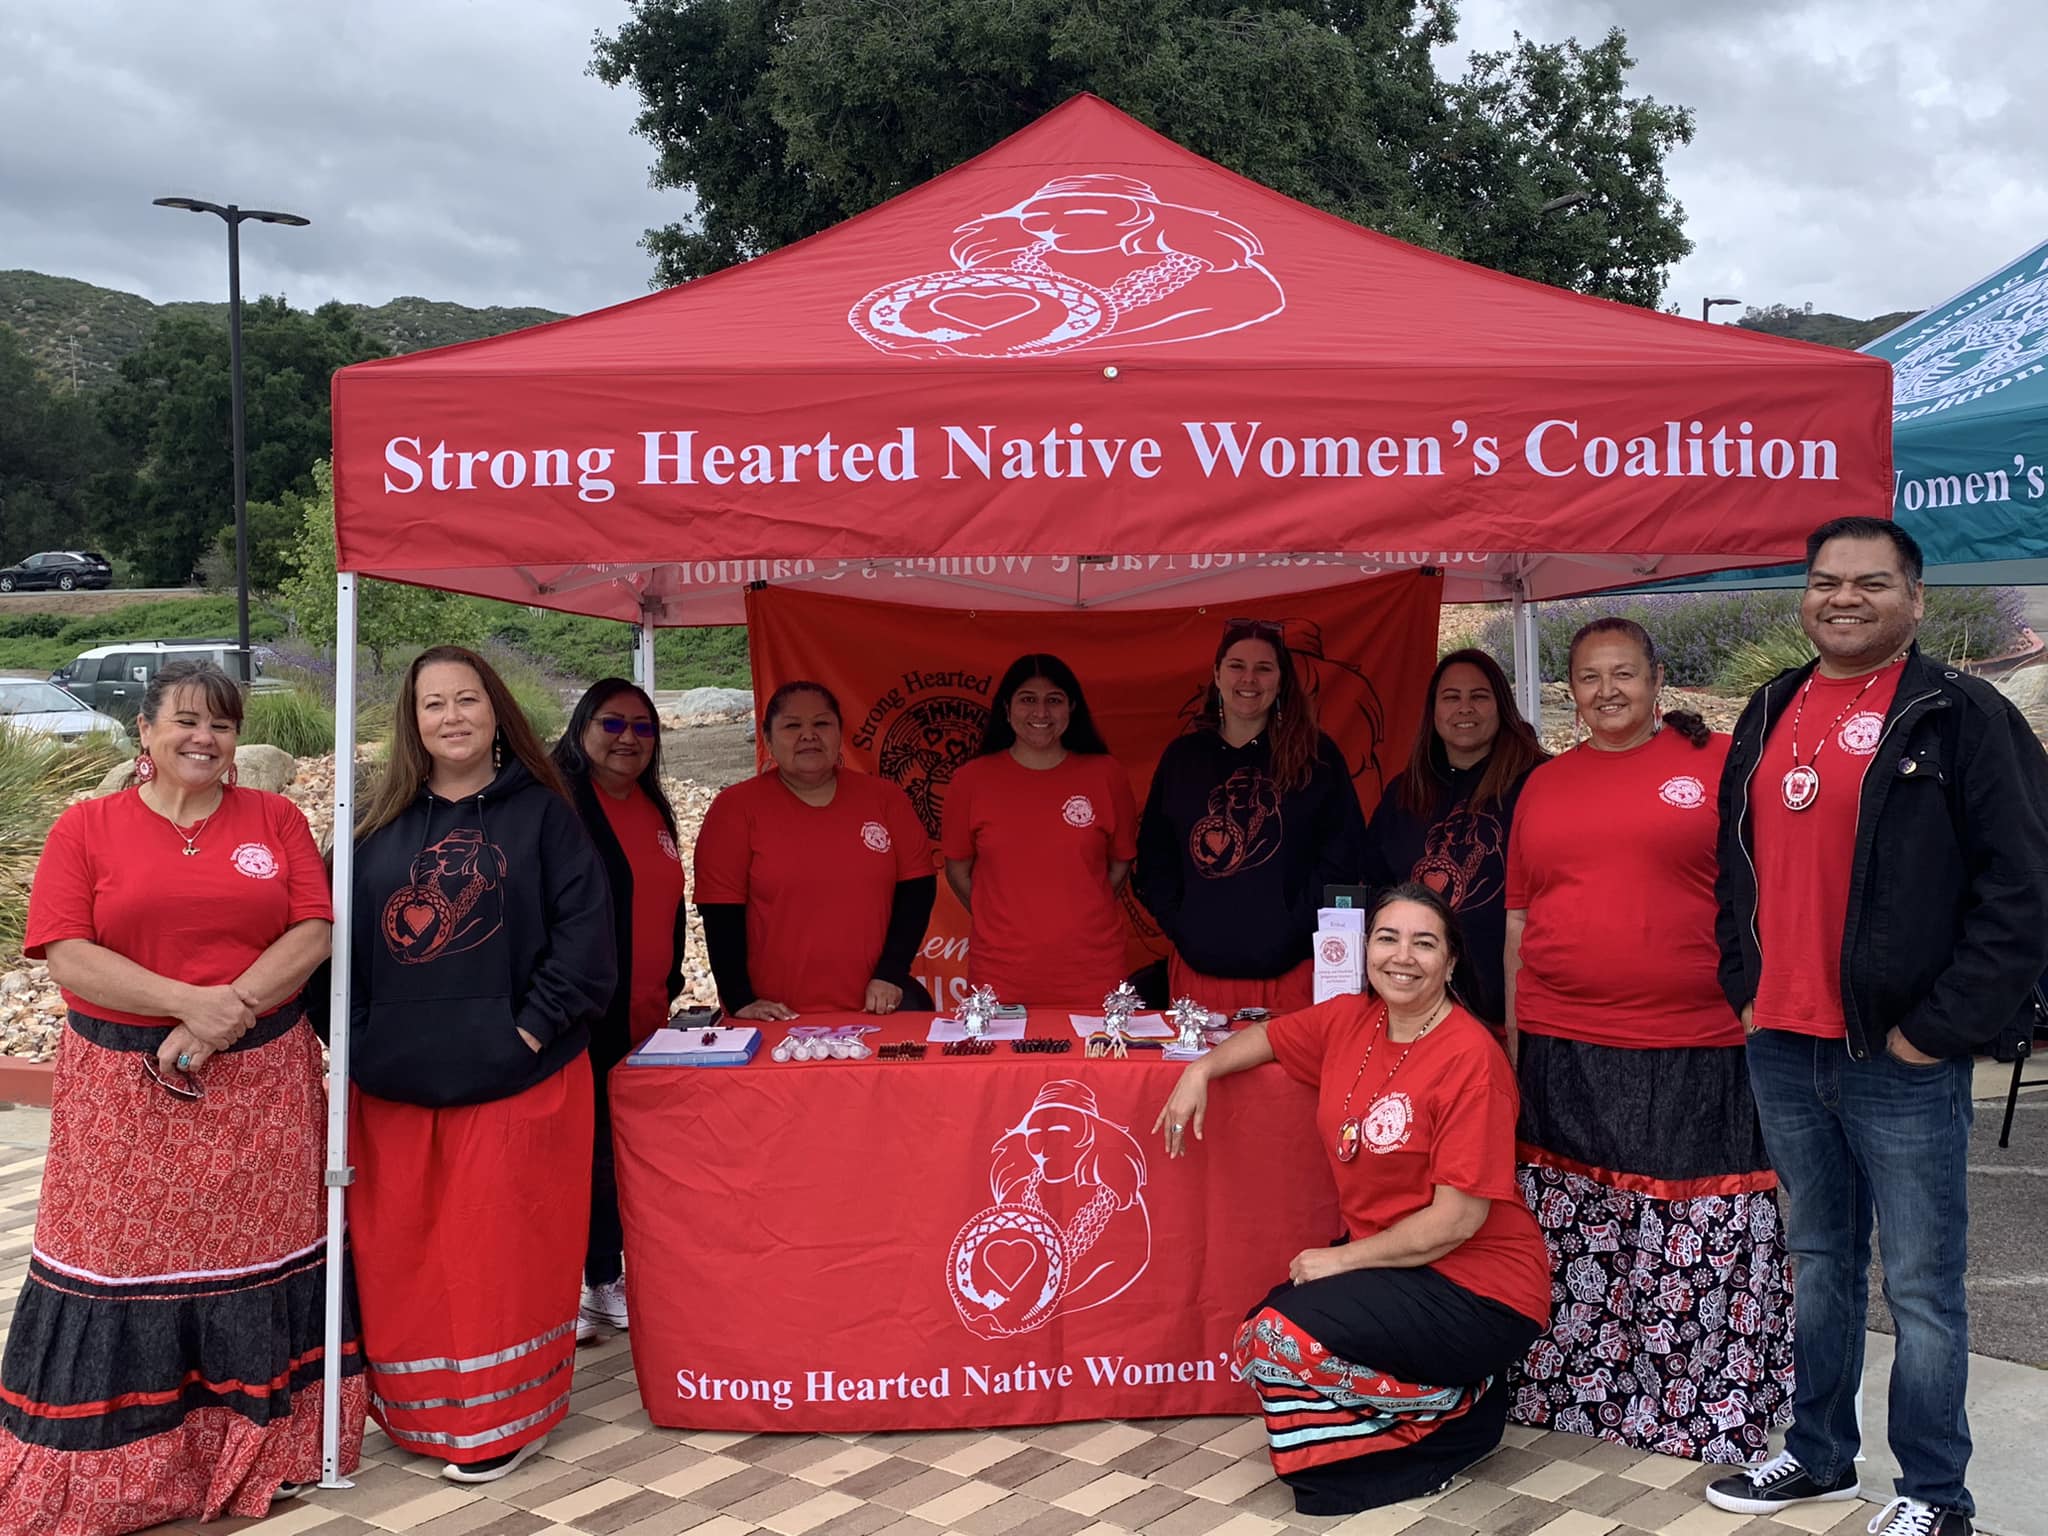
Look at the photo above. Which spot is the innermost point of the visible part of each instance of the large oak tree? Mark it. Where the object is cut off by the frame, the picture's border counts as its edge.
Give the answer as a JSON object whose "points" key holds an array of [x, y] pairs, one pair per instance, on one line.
{"points": [[781, 117]]}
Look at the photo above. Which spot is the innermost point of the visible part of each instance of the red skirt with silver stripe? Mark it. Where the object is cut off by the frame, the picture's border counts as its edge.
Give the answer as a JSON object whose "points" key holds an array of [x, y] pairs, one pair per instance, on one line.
{"points": [[469, 1226]]}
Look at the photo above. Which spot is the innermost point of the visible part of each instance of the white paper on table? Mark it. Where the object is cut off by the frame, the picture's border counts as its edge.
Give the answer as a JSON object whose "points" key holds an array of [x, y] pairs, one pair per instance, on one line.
{"points": [[1184, 1053], [690, 1042], [1140, 1026], [946, 1031]]}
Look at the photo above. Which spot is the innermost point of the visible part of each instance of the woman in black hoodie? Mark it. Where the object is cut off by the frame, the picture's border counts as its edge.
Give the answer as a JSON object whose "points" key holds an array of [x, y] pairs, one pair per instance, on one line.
{"points": [[1444, 823], [483, 956]]}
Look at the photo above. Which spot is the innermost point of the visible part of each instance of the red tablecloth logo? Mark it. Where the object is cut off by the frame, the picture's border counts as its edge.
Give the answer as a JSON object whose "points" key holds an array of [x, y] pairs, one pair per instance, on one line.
{"points": [[1083, 261], [1068, 1230]]}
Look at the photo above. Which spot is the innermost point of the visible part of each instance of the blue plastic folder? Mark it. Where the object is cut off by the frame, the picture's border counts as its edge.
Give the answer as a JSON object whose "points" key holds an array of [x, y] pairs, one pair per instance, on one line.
{"points": [[687, 1048]]}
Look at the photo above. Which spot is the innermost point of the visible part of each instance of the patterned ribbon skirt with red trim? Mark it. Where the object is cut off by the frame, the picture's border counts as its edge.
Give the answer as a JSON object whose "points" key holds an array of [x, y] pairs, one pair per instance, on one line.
{"points": [[1320, 1408]]}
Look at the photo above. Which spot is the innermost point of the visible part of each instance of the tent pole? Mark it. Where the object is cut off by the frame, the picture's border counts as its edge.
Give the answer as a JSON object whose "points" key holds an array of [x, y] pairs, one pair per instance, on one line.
{"points": [[339, 1174], [643, 650], [1528, 656]]}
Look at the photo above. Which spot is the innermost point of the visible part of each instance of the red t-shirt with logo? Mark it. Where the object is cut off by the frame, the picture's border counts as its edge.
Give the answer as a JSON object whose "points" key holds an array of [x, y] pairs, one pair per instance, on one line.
{"points": [[1803, 857], [657, 866], [1446, 1115], [1613, 857], [1045, 926], [817, 881], [115, 873]]}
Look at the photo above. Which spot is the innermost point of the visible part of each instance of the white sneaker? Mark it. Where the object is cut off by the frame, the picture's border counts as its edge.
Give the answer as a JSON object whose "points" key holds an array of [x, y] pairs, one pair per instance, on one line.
{"points": [[1910, 1517], [603, 1306]]}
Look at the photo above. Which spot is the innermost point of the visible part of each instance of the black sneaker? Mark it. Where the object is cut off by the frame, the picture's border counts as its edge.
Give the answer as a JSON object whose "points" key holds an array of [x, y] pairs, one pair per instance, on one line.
{"points": [[1772, 1485], [1910, 1517]]}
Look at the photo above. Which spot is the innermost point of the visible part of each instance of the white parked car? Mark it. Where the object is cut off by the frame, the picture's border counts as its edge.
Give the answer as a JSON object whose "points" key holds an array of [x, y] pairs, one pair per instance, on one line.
{"points": [[28, 705]]}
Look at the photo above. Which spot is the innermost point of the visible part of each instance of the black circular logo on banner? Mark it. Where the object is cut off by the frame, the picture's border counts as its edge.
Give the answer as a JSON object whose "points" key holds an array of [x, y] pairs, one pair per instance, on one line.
{"points": [[925, 744]]}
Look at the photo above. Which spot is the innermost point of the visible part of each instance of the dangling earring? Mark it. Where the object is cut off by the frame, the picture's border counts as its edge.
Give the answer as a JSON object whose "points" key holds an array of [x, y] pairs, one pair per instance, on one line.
{"points": [[145, 768], [498, 751], [232, 776]]}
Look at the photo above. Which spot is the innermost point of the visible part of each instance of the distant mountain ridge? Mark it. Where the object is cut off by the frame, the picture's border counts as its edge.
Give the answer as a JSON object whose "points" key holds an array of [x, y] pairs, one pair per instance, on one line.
{"points": [[76, 330], [1804, 324]]}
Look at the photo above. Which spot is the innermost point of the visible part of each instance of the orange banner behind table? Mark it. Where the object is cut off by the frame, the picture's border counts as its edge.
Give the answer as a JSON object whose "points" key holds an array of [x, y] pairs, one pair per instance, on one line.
{"points": [[915, 685]]}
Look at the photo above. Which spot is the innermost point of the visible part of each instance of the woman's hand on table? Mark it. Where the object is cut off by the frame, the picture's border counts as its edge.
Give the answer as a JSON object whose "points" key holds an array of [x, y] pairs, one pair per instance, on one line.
{"points": [[883, 997], [1185, 1110], [1318, 1264], [767, 1011]]}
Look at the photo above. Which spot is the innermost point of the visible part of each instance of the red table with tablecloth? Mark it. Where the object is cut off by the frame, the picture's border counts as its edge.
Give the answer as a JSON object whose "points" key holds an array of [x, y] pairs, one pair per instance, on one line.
{"points": [[953, 1241]]}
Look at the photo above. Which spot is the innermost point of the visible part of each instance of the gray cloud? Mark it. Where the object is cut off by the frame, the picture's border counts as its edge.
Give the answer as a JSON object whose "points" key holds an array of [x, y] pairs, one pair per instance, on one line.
{"points": [[1864, 157]]}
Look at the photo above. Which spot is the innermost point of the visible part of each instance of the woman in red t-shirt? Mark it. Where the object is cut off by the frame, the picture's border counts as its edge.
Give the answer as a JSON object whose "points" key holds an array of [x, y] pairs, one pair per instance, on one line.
{"points": [[610, 757], [1378, 1366], [814, 881], [1640, 1151], [1040, 832], [181, 1238]]}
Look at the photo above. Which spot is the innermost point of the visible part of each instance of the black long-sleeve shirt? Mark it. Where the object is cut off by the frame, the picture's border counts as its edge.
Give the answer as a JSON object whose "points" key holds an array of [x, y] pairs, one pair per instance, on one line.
{"points": [[1233, 870]]}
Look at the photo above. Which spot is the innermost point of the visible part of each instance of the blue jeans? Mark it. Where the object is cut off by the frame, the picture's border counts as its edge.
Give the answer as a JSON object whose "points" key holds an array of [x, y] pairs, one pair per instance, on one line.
{"points": [[1852, 1139]]}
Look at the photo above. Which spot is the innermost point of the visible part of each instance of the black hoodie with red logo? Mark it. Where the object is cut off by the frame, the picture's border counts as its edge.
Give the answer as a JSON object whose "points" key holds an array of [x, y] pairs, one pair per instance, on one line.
{"points": [[475, 919]]}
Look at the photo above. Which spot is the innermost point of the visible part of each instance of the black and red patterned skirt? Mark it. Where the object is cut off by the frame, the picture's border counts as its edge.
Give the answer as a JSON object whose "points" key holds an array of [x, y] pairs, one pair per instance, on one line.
{"points": [[166, 1354], [1671, 1290], [469, 1225]]}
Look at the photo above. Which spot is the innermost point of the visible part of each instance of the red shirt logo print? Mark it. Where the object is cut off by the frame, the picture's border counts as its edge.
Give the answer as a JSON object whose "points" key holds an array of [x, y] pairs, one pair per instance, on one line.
{"points": [[1388, 1122], [1860, 732], [1683, 791], [1079, 811], [667, 844], [875, 836], [256, 861]]}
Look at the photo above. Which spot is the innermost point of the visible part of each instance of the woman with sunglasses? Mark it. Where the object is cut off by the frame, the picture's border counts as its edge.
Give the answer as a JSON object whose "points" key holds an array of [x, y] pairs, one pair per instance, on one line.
{"points": [[1250, 815], [180, 1243], [814, 881], [610, 758], [1380, 1363]]}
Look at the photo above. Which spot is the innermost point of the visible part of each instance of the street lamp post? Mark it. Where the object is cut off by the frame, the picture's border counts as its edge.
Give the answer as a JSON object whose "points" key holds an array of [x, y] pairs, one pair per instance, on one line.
{"points": [[233, 217], [1708, 306]]}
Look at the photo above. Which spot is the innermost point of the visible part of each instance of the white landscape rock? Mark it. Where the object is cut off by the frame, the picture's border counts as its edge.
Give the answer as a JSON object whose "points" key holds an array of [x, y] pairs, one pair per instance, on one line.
{"points": [[705, 706], [259, 766]]}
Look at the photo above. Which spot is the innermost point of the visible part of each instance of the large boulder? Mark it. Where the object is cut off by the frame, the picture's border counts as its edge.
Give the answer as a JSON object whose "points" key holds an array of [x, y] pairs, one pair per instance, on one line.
{"points": [[706, 706], [259, 765]]}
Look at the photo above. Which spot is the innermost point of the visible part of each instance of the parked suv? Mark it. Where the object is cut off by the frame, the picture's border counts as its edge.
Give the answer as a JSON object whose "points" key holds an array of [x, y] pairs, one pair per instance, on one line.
{"points": [[63, 569], [112, 678]]}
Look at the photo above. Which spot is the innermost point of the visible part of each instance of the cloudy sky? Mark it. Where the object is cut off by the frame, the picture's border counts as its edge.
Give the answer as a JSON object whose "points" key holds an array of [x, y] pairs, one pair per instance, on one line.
{"points": [[1863, 157]]}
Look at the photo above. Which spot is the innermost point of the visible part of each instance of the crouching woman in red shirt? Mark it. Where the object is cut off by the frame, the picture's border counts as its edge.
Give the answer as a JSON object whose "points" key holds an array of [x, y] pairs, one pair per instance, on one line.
{"points": [[1379, 1364]]}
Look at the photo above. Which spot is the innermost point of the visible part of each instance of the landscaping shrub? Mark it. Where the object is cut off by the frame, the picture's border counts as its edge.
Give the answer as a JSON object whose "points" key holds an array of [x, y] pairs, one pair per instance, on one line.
{"points": [[1756, 662], [292, 719], [39, 775], [1700, 634]]}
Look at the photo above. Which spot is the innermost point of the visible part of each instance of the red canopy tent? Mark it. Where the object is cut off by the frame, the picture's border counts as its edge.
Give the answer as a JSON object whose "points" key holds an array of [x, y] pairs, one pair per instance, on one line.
{"points": [[1086, 368]]}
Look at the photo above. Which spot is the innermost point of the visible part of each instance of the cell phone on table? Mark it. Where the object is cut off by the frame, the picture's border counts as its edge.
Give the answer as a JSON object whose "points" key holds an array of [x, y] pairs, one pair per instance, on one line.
{"points": [[702, 1016]]}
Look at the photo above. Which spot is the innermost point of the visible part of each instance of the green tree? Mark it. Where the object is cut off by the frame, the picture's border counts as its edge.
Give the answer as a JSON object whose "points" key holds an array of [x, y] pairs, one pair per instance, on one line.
{"points": [[782, 117], [168, 412], [389, 615], [51, 447]]}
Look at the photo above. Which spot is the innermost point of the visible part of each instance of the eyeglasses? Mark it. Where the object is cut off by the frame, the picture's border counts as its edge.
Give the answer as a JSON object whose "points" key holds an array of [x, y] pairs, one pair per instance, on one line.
{"points": [[615, 726], [191, 1090], [1265, 629]]}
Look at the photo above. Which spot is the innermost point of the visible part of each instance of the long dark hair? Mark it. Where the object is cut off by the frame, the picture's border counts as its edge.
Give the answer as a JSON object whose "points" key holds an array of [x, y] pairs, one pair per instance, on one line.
{"points": [[1291, 730], [1081, 734], [570, 757], [1514, 752], [1692, 727], [406, 772]]}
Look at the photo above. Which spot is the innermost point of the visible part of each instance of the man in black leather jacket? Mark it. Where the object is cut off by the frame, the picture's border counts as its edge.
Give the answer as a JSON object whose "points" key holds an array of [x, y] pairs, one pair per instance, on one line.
{"points": [[1883, 917]]}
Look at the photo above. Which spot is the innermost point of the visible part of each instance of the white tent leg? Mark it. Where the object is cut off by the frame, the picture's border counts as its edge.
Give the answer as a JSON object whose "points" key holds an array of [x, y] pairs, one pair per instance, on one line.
{"points": [[643, 652], [1528, 657], [339, 1173]]}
